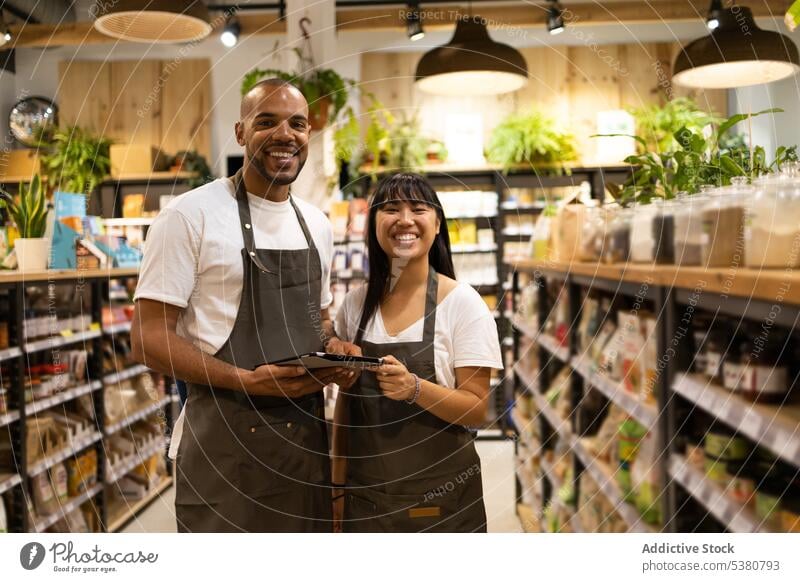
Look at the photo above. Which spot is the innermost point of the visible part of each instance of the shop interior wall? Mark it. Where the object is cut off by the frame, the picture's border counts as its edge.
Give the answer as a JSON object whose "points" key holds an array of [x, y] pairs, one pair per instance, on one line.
{"points": [[572, 83]]}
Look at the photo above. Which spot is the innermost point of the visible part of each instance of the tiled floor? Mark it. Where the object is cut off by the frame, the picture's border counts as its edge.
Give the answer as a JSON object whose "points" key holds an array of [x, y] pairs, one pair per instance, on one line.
{"points": [[498, 489]]}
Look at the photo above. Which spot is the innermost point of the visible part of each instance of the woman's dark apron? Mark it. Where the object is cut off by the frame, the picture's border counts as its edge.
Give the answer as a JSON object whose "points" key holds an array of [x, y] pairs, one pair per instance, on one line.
{"points": [[407, 469], [260, 463]]}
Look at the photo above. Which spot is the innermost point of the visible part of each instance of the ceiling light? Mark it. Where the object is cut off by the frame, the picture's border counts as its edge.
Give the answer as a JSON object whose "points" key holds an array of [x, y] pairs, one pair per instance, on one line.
{"points": [[736, 54], [555, 20], [153, 21], [230, 33], [471, 64], [414, 22], [712, 21]]}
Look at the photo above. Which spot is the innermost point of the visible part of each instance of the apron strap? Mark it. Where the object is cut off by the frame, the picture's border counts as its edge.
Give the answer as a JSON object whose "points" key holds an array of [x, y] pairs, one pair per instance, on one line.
{"points": [[246, 222], [429, 319]]}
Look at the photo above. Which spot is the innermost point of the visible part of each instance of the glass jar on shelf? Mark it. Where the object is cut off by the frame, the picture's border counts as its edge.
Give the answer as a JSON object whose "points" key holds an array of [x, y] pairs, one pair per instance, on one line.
{"points": [[772, 221], [591, 245], [664, 232], [642, 244], [618, 242], [723, 224], [688, 237]]}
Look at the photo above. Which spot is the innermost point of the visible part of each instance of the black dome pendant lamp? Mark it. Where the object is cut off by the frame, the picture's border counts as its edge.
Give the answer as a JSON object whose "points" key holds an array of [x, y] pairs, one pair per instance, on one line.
{"points": [[737, 53], [471, 64]]}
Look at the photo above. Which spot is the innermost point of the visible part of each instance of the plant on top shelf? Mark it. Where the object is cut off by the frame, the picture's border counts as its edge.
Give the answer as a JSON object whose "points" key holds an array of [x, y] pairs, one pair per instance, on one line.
{"points": [[656, 125], [28, 209], [325, 90], [74, 160], [195, 164], [699, 161], [532, 138]]}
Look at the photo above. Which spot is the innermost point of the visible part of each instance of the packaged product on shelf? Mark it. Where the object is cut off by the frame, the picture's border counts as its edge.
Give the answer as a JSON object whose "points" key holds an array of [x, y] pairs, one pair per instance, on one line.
{"points": [[630, 434], [43, 438], [649, 361], [541, 239], [568, 240], [359, 211], [768, 502], [3, 334], [44, 499], [81, 472], [587, 325], [631, 368], [610, 361], [131, 487], [604, 444], [3, 517], [742, 482], [790, 515], [72, 522], [645, 479], [772, 221], [467, 232], [607, 330], [591, 236], [618, 245], [723, 225], [723, 446], [339, 215], [3, 401], [764, 372], [688, 238], [58, 477]]}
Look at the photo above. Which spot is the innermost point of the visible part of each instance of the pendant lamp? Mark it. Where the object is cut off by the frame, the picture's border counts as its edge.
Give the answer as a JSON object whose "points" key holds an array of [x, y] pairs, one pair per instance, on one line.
{"points": [[471, 64], [153, 21], [736, 54]]}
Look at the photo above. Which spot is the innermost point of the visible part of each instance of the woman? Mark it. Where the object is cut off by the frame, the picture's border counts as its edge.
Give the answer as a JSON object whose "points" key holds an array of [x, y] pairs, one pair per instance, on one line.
{"points": [[402, 449]]}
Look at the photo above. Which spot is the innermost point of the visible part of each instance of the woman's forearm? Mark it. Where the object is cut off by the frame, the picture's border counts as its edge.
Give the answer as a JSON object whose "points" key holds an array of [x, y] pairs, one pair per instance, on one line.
{"points": [[454, 406]]}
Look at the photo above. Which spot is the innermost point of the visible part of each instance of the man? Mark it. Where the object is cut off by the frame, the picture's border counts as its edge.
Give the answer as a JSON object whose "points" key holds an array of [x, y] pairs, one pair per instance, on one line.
{"points": [[236, 274]]}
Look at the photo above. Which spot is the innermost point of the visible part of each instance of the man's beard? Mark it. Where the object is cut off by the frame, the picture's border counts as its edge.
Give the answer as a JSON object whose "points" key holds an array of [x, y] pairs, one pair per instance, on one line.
{"points": [[261, 168]]}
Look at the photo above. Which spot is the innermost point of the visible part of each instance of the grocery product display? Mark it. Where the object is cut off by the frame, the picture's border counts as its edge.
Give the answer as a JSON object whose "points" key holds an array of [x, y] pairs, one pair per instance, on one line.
{"points": [[69, 388], [682, 408]]}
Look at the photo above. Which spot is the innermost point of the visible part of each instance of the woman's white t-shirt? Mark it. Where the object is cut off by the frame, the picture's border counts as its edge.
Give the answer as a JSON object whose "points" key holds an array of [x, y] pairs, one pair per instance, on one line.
{"points": [[465, 336]]}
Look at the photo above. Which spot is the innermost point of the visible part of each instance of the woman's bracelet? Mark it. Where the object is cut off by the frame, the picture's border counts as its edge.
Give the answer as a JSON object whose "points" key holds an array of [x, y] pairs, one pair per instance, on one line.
{"points": [[417, 388]]}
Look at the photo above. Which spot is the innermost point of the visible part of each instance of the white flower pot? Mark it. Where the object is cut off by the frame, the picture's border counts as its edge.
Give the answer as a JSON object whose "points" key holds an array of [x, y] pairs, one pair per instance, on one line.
{"points": [[32, 253]]}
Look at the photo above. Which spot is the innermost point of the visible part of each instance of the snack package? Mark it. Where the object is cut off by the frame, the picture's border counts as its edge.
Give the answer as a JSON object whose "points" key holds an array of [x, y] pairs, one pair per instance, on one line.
{"points": [[58, 478], [607, 330], [3, 517], [630, 436], [649, 361], [645, 477], [630, 357], [43, 498]]}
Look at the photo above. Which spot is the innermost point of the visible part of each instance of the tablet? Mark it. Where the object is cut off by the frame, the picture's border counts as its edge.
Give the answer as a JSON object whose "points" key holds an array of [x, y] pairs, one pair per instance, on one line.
{"points": [[315, 360]]}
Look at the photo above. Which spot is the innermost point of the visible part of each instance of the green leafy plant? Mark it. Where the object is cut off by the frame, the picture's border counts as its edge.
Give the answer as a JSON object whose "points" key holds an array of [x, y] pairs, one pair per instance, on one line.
{"points": [[196, 164], [698, 161], [74, 160], [657, 125], [30, 211], [408, 149], [325, 90], [531, 138]]}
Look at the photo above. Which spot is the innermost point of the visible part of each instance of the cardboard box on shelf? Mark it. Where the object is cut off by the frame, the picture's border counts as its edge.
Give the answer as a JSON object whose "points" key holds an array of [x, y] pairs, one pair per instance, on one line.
{"points": [[136, 159]]}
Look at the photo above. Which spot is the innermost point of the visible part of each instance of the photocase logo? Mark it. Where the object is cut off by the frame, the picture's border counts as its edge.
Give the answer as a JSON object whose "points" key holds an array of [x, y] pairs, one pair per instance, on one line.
{"points": [[31, 555]]}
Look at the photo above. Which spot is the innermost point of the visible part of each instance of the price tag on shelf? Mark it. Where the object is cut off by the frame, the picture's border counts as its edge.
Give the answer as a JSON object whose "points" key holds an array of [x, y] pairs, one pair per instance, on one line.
{"points": [[94, 326], [66, 333], [752, 423]]}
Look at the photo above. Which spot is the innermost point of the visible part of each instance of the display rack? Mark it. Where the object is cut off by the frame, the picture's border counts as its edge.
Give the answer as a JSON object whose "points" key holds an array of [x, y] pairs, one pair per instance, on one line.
{"points": [[688, 499], [93, 287]]}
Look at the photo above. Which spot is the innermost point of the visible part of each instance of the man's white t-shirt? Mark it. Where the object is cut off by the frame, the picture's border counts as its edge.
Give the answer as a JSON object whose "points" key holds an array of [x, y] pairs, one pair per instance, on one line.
{"points": [[193, 259], [465, 336]]}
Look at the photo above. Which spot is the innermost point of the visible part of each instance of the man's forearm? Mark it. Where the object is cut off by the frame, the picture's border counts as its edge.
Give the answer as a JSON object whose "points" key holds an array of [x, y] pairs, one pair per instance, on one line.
{"points": [[166, 352]]}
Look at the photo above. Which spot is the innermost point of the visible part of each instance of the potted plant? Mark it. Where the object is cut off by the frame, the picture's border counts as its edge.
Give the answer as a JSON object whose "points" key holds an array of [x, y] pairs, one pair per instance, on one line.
{"points": [[195, 164], [656, 125], [30, 216], [74, 160], [325, 90], [532, 138]]}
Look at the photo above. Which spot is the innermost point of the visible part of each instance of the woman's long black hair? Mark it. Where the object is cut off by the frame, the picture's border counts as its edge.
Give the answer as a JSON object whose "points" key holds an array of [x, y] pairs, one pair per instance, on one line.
{"points": [[404, 187]]}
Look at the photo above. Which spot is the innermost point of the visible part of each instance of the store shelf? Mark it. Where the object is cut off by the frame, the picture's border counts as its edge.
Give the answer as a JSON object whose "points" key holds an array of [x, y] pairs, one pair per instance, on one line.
{"points": [[141, 221], [522, 423], [125, 374], [517, 233], [515, 207], [526, 327], [575, 524], [548, 471], [603, 476], [774, 427], [122, 327], [64, 396], [456, 249], [151, 177], [51, 275], [470, 216], [42, 523], [61, 340], [143, 413], [736, 517], [122, 468], [551, 344], [529, 381], [117, 523], [9, 417], [74, 447], [9, 480], [646, 414], [10, 353]]}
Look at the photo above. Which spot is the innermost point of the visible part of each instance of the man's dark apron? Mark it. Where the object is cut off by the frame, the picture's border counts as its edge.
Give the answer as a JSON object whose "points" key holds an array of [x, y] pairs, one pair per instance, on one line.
{"points": [[260, 463], [408, 470]]}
